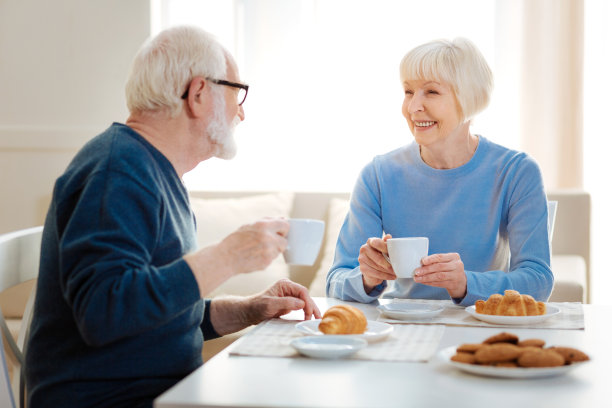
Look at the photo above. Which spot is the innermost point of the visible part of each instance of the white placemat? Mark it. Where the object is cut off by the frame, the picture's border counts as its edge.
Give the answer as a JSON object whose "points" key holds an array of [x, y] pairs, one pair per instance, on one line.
{"points": [[571, 316], [414, 343]]}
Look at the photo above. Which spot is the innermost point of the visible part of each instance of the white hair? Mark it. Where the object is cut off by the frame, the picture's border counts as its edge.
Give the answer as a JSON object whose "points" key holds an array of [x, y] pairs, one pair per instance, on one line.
{"points": [[458, 63], [165, 65]]}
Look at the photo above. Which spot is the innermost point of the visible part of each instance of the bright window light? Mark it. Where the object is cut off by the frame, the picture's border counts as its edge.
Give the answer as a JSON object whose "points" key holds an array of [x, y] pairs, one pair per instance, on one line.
{"points": [[325, 96]]}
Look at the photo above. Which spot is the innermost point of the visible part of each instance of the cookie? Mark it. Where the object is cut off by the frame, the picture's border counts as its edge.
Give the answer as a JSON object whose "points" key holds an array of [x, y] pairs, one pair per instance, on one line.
{"points": [[506, 364], [541, 358], [529, 348], [469, 347], [461, 357], [496, 353], [531, 343], [571, 355], [502, 337]]}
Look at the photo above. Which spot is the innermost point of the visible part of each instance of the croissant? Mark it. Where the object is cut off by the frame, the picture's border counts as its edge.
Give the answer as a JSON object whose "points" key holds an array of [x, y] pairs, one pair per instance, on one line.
{"points": [[343, 319], [512, 303]]}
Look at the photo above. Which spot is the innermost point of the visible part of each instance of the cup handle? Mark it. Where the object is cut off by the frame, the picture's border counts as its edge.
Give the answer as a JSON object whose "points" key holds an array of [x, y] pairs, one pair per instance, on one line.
{"points": [[386, 257]]}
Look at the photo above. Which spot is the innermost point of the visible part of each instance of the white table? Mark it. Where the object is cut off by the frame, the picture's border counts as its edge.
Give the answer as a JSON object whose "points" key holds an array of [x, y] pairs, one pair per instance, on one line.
{"points": [[237, 381]]}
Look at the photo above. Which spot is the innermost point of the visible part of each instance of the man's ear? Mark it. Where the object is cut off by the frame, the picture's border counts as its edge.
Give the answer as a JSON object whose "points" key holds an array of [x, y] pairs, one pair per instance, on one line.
{"points": [[196, 96]]}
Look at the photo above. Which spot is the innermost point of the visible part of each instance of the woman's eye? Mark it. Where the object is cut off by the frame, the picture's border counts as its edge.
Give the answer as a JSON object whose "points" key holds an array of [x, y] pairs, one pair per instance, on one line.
{"points": [[408, 92], [431, 91]]}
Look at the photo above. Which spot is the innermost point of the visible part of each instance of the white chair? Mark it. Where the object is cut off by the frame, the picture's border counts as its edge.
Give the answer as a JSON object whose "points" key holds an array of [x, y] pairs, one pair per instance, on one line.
{"points": [[6, 394], [19, 258]]}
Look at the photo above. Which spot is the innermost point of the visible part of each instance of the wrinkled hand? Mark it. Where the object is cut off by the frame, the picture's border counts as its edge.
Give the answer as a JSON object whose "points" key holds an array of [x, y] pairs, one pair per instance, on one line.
{"points": [[279, 299], [252, 247], [373, 265], [443, 271]]}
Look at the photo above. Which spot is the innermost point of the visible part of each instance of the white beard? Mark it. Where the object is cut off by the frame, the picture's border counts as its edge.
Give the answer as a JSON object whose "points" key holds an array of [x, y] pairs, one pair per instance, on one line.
{"points": [[220, 132]]}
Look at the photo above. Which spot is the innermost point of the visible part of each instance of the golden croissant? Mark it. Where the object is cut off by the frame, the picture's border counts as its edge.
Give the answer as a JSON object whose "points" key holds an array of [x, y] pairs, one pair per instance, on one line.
{"points": [[512, 303], [343, 319]]}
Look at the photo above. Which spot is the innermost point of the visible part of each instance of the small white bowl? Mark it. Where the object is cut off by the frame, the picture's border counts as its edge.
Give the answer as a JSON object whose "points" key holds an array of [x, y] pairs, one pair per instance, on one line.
{"points": [[328, 346]]}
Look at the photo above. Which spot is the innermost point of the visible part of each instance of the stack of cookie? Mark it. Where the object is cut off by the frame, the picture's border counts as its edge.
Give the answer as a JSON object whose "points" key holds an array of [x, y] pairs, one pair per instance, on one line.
{"points": [[505, 350]]}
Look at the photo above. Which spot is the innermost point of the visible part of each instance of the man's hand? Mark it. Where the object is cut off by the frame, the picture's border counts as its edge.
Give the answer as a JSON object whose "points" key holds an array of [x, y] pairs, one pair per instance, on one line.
{"points": [[281, 298], [251, 248], [231, 314]]}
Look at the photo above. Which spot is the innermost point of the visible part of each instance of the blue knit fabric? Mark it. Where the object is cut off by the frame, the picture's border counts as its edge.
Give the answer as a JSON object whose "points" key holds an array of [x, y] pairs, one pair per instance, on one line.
{"points": [[118, 311], [491, 210]]}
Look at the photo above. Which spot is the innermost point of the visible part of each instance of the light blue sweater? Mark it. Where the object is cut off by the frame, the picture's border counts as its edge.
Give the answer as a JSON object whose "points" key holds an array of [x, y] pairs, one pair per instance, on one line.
{"points": [[490, 208]]}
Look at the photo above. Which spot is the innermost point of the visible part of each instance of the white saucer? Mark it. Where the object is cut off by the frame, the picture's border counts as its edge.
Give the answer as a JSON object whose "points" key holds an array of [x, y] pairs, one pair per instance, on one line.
{"points": [[375, 330], [513, 320], [407, 311], [328, 346]]}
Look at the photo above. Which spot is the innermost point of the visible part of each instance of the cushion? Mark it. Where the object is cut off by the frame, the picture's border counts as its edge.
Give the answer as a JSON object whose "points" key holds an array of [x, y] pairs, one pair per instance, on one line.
{"points": [[216, 218], [336, 213]]}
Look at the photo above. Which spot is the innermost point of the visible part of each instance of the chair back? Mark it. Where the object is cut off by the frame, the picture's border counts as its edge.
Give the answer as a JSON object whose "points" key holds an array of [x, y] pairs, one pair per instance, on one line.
{"points": [[552, 215], [19, 258]]}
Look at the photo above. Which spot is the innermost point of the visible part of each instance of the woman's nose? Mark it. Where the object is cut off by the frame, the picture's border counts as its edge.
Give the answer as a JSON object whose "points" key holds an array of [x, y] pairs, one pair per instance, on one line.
{"points": [[416, 103]]}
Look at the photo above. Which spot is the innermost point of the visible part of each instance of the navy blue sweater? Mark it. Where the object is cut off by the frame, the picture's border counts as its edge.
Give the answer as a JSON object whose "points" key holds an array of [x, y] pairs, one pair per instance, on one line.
{"points": [[118, 317]]}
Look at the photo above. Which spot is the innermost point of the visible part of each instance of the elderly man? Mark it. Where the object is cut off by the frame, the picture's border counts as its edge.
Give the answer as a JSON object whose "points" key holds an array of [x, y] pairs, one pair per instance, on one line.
{"points": [[119, 313]]}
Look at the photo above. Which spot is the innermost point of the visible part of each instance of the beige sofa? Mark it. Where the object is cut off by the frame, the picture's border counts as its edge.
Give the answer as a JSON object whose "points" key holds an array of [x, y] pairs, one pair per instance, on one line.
{"points": [[219, 213]]}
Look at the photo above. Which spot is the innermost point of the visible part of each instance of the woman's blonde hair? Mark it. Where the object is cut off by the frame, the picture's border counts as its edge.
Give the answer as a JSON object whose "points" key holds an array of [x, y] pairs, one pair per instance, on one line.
{"points": [[458, 63], [165, 65]]}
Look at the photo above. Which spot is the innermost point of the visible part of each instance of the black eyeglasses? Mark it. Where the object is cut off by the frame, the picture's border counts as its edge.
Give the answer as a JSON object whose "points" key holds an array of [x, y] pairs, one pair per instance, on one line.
{"points": [[243, 89]]}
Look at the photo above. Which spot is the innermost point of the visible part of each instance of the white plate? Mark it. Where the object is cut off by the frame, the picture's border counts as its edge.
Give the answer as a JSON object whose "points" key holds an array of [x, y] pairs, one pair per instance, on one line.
{"points": [[375, 330], [328, 346], [405, 311], [550, 312], [506, 372]]}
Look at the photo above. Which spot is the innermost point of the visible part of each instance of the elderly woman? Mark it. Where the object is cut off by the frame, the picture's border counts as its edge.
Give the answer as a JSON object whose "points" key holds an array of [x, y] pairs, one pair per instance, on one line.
{"points": [[482, 206]]}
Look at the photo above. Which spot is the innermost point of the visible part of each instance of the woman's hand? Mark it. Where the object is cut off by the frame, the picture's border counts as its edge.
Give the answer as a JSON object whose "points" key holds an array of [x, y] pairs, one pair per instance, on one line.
{"points": [[373, 265], [443, 271]]}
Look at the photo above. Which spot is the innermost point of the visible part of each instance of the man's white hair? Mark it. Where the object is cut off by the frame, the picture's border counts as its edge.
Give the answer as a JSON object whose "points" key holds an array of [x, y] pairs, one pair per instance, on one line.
{"points": [[458, 63], [165, 65]]}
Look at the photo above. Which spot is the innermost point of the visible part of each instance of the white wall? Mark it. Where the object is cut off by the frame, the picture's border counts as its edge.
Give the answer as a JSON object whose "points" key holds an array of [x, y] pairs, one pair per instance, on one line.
{"points": [[63, 65]]}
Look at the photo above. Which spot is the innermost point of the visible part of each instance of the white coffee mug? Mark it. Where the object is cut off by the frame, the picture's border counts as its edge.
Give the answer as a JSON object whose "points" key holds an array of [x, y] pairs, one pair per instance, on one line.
{"points": [[405, 254], [304, 241]]}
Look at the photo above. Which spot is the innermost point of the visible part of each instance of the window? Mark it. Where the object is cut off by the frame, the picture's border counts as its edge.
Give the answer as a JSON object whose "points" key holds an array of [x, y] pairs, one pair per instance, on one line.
{"points": [[325, 95]]}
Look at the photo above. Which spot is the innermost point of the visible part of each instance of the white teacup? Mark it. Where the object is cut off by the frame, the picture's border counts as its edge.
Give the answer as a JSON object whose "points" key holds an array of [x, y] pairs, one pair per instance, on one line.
{"points": [[304, 241], [405, 254]]}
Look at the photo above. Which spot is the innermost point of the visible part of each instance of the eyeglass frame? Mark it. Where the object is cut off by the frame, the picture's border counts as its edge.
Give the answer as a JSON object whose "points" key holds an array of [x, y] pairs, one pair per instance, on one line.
{"points": [[223, 82]]}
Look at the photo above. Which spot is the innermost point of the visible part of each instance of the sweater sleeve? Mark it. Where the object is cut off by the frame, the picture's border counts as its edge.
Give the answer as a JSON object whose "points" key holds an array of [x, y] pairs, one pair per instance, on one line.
{"points": [[208, 330], [527, 233], [111, 272], [363, 221]]}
